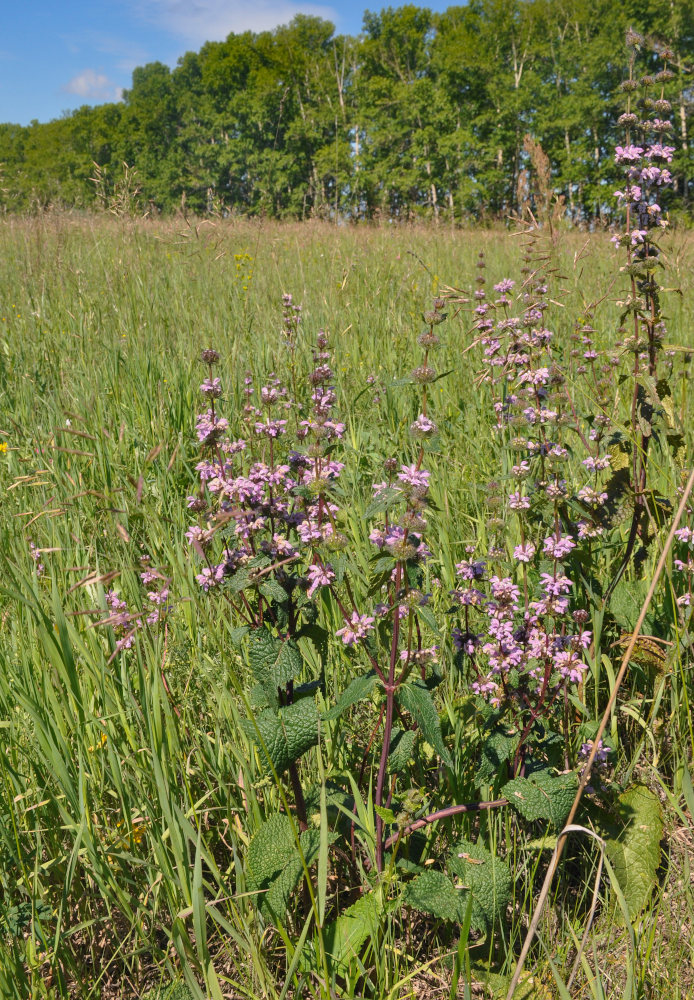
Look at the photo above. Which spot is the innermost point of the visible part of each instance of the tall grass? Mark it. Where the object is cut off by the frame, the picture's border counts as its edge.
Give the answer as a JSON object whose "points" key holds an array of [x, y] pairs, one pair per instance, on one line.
{"points": [[130, 790]]}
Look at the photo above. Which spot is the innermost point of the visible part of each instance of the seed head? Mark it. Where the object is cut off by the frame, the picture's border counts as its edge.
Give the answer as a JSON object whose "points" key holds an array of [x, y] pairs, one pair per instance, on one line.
{"points": [[209, 356], [424, 375]]}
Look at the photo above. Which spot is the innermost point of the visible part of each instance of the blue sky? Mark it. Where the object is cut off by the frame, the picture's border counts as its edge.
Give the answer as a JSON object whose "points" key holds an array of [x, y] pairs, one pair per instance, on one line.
{"points": [[56, 55]]}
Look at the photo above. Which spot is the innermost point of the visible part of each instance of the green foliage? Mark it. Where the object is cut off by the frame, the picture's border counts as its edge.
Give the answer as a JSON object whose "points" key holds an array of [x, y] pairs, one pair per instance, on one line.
{"points": [[345, 937], [357, 689], [633, 845], [422, 115], [497, 749], [542, 796], [275, 866], [285, 734], [477, 874], [433, 892], [488, 879], [402, 745], [416, 699], [274, 661], [132, 795], [174, 991]]}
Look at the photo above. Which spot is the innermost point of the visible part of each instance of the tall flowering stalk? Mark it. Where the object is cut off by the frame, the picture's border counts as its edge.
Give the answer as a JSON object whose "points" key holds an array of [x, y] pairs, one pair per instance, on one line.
{"points": [[403, 541], [644, 157], [526, 645]]}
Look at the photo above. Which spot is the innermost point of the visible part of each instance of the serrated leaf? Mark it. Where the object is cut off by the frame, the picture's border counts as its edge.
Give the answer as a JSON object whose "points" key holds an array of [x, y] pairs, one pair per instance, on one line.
{"points": [[287, 733], [387, 815], [269, 850], [427, 615], [345, 937], [499, 747], [401, 749], [274, 661], [383, 501], [542, 795], [678, 450], [433, 892], [239, 581], [274, 865], [415, 698], [488, 879], [273, 591], [382, 564], [664, 393], [237, 635], [356, 690], [634, 851]]}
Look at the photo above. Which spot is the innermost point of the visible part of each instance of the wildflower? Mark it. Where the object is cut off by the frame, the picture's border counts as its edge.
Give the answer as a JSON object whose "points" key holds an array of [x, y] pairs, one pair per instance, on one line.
{"points": [[423, 427], [359, 627], [628, 154], [558, 546], [659, 152], [319, 575], [601, 755], [524, 553], [413, 476], [212, 387]]}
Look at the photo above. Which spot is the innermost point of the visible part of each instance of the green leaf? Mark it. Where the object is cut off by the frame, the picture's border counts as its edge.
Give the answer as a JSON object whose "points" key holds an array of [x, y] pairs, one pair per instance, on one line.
{"points": [[356, 690], [269, 850], [634, 851], [427, 615], [287, 733], [383, 501], [274, 865], [272, 590], [274, 661], [346, 936], [433, 892], [487, 877], [665, 396], [416, 698], [237, 635], [543, 795], [387, 815], [499, 747], [401, 749]]}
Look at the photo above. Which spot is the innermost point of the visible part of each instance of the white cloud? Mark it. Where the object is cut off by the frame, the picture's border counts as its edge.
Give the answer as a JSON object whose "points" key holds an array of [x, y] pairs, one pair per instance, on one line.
{"points": [[199, 21], [93, 86]]}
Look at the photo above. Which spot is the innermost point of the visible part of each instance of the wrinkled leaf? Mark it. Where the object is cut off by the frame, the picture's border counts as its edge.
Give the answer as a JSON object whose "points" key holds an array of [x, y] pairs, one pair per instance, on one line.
{"points": [[416, 698], [542, 795]]}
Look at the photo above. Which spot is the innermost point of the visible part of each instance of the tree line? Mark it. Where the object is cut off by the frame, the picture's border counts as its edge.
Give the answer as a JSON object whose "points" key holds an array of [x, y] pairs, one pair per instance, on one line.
{"points": [[474, 113]]}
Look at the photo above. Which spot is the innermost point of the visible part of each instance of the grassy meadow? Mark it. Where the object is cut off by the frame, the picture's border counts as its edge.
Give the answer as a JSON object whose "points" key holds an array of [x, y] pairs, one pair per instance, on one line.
{"points": [[130, 788]]}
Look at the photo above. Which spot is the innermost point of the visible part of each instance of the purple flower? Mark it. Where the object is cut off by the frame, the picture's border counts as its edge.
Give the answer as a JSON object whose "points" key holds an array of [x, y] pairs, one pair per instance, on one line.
{"points": [[423, 427], [602, 752], [628, 154], [413, 476], [558, 546], [212, 387], [524, 553], [194, 534], [659, 152], [319, 575], [518, 502], [597, 464], [470, 570], [359, 627]]}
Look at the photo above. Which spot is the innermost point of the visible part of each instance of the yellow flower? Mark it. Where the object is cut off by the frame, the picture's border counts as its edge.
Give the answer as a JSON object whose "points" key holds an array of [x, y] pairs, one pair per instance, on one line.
{"points": [[3, 447]]}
